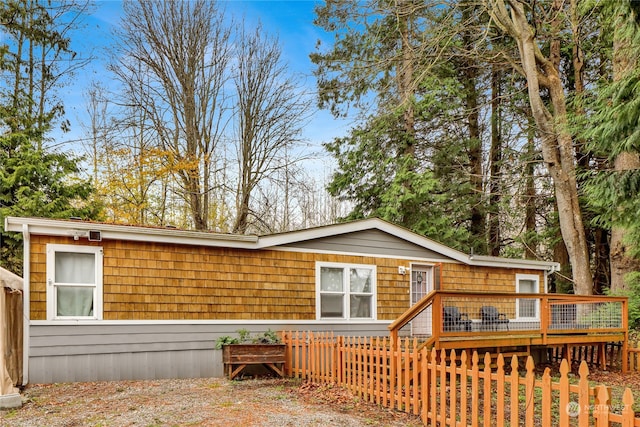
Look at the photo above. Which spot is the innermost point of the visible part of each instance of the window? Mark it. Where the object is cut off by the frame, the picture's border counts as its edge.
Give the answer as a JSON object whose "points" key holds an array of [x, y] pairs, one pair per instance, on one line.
{"points": [[74, 282], [345, 291], [528, 308]]}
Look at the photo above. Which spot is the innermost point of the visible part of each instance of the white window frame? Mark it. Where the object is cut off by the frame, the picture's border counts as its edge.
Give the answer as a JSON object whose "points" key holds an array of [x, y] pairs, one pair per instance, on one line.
{"points": [[346, 294], [536, 279], [52, 249]]}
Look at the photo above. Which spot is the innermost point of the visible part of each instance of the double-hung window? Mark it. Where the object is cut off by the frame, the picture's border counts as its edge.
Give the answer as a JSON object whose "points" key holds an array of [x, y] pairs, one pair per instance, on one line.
{"points": [[345, 291], [527, 308], [74, 282]]}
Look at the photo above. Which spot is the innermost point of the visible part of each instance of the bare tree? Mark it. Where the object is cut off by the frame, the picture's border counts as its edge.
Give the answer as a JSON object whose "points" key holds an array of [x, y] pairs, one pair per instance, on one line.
{"points": [[174, 58], [97, 128], [128, 166], [270, 115]]}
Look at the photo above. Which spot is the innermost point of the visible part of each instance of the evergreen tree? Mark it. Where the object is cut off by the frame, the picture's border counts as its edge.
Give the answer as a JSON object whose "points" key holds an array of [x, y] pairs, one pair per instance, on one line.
{"points": [[34, 180], [614, 193], [416, 157]]}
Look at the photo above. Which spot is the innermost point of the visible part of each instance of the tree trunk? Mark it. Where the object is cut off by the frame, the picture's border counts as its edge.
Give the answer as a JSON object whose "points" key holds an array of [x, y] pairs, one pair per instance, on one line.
{"points": [[495, 188], [469, 73], [556, 141], [530, 241], [621, 261]]}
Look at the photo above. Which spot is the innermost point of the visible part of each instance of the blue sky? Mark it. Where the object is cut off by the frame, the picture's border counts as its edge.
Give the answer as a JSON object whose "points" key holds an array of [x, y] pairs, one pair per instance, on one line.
{"points": [[291, 21]]}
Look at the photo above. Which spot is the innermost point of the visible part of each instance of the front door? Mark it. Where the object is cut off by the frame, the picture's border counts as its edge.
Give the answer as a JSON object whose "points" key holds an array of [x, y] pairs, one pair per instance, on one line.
{"points": [[421, 285]]}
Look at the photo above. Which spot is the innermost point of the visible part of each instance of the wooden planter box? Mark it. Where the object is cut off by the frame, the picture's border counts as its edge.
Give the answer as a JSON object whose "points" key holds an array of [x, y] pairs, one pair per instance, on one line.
{"points": [[236, 357]]}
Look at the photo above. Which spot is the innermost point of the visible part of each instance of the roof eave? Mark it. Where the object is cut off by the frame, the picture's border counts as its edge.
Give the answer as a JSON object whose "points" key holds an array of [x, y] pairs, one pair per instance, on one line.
{"points": [[80, 229], [527, 264]]}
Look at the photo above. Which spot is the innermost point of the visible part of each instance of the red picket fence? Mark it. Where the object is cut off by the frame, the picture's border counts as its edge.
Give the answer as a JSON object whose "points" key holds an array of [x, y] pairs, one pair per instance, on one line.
{"points": [[450, 389]]}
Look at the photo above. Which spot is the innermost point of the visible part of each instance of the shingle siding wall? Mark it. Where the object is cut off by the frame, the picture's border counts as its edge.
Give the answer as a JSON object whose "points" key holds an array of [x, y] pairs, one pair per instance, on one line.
{"points": [[154, 281], [483, 279], [151, 281]]}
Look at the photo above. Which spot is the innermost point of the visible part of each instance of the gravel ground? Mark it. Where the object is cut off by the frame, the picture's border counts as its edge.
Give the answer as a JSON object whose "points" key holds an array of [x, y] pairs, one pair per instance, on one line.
{"points": [[198, 402]]}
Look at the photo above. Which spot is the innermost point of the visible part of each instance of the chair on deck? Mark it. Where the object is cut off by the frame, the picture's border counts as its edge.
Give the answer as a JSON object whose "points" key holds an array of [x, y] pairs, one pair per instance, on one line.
{"points": [[492, 318], [453, 320]]}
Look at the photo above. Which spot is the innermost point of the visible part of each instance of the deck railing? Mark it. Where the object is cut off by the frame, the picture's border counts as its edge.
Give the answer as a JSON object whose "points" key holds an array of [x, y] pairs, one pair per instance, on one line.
{"points": [[449, 388], [450, 313]]}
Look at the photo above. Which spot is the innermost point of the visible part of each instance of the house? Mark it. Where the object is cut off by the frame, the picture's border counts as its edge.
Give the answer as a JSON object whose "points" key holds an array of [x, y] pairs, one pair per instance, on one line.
{"points": [[10, 339], [109, 302]]}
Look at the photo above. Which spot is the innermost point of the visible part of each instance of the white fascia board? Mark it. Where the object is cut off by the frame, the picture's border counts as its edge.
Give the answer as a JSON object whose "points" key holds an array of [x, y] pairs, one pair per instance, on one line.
{"points": [[52, 227], [72, 228], [528, 264]]}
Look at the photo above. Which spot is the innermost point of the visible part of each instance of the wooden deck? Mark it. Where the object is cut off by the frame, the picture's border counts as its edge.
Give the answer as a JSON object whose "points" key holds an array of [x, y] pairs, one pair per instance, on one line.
{"points": [[518, 322]]}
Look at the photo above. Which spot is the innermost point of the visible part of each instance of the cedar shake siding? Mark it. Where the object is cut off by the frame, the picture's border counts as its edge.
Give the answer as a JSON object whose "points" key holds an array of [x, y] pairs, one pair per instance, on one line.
{"points": [[162, 281]]}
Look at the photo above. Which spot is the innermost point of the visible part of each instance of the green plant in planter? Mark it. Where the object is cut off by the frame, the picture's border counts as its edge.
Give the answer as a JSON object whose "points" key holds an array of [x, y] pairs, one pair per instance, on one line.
{"points": [[225, 340], [244, 337], [268, 337]]}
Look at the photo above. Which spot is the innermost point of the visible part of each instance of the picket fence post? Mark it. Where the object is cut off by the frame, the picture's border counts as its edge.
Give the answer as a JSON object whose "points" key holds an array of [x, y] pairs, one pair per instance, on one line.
{"points": [[546, 397], [500, 392], [486, 381], [453, 386], [514, 390], [424, 385], [433, 383], [564, 393], [464, 364]]}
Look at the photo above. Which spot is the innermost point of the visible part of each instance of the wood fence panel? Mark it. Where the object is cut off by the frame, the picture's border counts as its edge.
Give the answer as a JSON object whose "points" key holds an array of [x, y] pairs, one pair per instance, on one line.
{"points": [[445, 389]]}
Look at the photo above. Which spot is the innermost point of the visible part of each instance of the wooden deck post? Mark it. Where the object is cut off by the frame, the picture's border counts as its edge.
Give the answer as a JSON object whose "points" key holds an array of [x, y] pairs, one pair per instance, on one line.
{"points": [[544, 318], [624, 360], [566, 350], [602, 356]]}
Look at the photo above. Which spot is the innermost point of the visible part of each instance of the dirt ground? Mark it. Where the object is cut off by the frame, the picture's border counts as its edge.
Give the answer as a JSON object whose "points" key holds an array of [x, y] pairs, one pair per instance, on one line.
{"points": [[198, 402]]}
